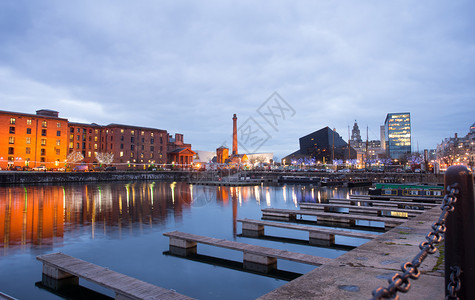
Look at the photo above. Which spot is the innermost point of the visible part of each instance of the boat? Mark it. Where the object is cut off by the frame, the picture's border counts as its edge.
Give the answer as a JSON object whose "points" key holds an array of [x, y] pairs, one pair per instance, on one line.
{"points": [[407, 190], [299, 179], [359, 182], [331, 181]]}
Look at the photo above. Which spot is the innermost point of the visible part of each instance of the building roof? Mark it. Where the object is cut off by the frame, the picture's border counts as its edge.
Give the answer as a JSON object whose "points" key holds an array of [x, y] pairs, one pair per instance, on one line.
{"points": [[30, 115], [132, 126], [180, 150]]}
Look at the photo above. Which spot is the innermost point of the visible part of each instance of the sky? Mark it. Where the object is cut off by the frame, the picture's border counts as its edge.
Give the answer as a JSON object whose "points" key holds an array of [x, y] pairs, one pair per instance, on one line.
{"points": [[286, 68]]}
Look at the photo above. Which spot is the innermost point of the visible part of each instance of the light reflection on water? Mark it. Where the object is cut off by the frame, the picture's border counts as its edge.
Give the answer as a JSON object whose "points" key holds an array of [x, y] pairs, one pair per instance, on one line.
{"points": [[120, 225]]}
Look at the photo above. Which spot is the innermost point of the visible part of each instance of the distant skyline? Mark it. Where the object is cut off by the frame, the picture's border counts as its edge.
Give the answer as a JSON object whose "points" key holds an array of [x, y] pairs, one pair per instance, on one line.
{"points": [[188, 66]]}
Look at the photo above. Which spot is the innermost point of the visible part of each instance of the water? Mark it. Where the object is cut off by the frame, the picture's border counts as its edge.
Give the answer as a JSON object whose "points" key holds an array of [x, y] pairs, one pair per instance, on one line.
{"points": [[120, 226]]}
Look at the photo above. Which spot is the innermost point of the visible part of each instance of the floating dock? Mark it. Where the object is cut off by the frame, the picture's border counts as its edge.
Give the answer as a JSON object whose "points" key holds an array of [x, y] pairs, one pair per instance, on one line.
{"points": [[256, 258], [317, 236], [322, 217], [62, 270]]}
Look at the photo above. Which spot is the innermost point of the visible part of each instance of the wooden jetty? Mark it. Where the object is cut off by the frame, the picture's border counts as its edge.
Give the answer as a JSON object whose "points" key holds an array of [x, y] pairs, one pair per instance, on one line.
{"points": [[257, 258], [397, 204], [377, 210], [67, 270], [322, 217], [317, 236]]}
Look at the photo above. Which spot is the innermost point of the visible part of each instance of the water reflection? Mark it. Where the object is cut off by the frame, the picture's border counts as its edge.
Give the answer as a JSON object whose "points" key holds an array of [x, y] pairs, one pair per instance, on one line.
{"points": [[39, 216]]}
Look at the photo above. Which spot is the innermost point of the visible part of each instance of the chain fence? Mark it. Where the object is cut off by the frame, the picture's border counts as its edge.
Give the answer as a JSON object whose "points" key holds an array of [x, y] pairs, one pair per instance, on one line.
{"points": [[400, 281]]}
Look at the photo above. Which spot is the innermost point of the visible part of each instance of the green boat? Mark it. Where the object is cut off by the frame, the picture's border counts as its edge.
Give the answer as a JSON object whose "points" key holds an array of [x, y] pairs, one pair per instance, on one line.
{"points": [[407, 190]]}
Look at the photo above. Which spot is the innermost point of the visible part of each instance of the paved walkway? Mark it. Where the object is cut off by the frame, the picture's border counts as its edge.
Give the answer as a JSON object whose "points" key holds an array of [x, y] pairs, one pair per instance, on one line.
{"points": [[355, 274]]}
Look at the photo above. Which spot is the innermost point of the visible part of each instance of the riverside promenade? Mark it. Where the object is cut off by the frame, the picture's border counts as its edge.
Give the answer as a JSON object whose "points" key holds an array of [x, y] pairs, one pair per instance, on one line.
{"points": [[355, 274]]}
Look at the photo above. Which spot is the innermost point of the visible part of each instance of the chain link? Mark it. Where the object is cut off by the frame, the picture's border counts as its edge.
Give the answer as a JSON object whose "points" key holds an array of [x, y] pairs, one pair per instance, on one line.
{"points": [[455, 284], [400, 282]]}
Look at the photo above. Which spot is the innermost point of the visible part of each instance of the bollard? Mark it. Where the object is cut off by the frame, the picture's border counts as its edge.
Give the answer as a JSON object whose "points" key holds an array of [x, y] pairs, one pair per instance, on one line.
{"points": [[460, 232]]}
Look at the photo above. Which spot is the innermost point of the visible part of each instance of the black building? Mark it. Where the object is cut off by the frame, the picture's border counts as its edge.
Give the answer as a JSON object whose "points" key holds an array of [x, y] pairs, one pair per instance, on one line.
{"points": [[324, 145]]}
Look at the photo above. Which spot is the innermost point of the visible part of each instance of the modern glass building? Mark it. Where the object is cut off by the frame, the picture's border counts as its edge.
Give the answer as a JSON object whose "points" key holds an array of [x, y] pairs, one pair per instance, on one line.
{"points": [[398, 134]]}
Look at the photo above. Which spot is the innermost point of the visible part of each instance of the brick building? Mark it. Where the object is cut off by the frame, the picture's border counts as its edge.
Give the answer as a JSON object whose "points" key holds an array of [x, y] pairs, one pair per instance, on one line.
{"points": [[133, 146], [44, 139], [179, 153], [28, 140]]}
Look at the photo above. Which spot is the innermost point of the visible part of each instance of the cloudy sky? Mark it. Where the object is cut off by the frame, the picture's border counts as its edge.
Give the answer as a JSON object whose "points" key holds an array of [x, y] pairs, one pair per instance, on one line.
{"points": [[188, 66]]}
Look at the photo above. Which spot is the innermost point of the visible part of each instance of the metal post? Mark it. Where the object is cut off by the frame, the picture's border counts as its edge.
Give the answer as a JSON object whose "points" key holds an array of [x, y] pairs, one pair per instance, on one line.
{"points": [[460, 234]]}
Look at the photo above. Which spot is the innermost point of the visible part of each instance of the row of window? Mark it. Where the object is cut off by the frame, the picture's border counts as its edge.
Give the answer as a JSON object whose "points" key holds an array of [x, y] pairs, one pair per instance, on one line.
{"points": [[96, 131], [28, 122], [11, 140], [28, 131], [11, 151]]}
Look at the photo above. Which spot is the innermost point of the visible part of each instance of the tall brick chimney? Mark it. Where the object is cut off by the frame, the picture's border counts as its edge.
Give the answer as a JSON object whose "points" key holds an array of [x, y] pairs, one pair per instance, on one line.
{"points": [[235, 147]]}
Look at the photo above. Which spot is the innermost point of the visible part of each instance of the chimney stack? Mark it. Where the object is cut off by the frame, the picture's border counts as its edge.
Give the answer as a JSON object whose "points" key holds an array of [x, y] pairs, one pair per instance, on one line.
{"points": [[235, 147]]}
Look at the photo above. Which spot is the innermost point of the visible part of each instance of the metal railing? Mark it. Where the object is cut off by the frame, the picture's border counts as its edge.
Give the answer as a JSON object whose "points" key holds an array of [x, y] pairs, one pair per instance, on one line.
{"points": [[457, 223]]}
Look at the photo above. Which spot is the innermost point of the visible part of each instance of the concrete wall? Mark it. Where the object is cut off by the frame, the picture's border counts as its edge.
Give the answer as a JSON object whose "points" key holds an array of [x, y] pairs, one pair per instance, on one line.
{"points": [[12, 177]]}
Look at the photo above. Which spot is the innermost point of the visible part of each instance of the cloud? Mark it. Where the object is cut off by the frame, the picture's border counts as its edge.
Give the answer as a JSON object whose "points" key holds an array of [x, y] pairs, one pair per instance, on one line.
{"points": [[187, 67]]}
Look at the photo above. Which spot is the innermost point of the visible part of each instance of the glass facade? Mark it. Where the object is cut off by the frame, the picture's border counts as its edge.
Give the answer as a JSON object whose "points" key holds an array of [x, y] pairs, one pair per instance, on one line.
{"points": [[398, 135]]}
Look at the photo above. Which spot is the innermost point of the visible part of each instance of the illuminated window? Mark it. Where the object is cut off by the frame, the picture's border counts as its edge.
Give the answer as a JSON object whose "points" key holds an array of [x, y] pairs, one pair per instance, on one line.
{"points": [[89, 154], [95, 139], [132, 132], [95, 146], [12, 121], [142, 133], [28, 131], [151, 134], [27, 150], [96, 131], [71, 145], [44, 124], [141, 155], [131, 154], [43, 142], [58, 125], [28, 140], [11, 140], [28, 122], [122, 131], [121, 153], [43, 151]]}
